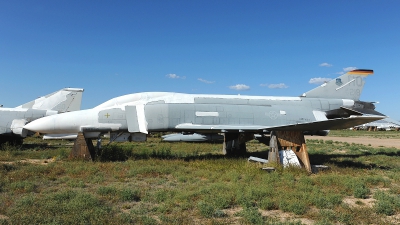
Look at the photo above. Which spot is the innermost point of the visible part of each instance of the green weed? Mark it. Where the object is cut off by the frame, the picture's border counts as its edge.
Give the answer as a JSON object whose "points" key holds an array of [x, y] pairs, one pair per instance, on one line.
{"points": [[109, 191], [208, 210], [386, 204], [251, 215], [129, 195]]}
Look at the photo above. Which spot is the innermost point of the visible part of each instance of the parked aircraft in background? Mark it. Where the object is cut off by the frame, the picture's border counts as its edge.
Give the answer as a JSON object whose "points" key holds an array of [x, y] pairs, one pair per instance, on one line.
{"points": [[385, 124], [333, 105], [12, 120]]}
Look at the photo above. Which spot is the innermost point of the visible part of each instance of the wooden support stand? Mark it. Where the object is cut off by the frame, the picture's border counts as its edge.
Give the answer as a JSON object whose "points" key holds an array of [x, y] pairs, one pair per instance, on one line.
{"points": [[294, 140], [235, 143], [83, 148], [273, 154]]}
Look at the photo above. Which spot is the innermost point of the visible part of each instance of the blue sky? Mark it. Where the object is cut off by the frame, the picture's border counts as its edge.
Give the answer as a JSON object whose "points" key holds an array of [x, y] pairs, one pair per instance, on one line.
{"points": [[112, 48]]}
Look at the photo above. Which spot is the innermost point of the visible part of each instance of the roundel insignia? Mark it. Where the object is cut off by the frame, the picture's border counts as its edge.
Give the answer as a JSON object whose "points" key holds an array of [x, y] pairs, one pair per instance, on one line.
{"points": [[338, 82], [273, 115]]}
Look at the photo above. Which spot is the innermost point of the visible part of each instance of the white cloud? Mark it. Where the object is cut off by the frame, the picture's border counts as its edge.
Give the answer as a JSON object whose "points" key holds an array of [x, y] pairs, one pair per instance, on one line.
{"points": [[240, 87], [174, 76], [325, 64], [347, 69], [319, 80], [206, 81], [274, 86]]}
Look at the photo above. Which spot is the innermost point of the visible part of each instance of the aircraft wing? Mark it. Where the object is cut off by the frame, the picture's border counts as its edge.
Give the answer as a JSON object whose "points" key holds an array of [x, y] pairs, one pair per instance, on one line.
{"points": [[330, 124]]}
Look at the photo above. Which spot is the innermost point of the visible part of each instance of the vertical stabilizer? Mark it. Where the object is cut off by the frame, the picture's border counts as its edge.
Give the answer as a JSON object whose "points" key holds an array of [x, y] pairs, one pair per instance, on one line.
{"points": [[347, 86], [64, 100]]}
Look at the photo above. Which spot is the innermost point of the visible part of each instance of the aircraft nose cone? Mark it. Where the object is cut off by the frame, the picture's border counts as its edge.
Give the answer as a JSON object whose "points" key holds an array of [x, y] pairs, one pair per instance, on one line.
{"points": [[42, 125]]}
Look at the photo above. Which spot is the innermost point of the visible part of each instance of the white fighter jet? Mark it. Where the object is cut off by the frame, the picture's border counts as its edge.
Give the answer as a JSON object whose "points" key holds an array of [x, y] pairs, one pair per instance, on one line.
{"points": [[333, 105], [12, 120]]}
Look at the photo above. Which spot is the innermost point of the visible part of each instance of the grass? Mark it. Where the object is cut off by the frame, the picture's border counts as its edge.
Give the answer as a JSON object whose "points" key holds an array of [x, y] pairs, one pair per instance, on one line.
{"points": [[184, 183]]}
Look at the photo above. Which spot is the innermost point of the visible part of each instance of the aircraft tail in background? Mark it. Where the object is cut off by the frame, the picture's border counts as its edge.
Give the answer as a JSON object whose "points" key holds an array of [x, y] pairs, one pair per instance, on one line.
{"points": [[347, 86], [64, 100]]}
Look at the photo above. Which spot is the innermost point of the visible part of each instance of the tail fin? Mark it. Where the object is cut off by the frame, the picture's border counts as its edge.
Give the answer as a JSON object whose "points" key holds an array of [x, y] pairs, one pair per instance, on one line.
{"points": [[64, 100], [347, 86]]}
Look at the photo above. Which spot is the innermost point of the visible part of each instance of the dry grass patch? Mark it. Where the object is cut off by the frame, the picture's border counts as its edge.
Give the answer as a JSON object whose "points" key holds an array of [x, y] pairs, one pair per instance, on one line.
{"points": [[357, 202]]}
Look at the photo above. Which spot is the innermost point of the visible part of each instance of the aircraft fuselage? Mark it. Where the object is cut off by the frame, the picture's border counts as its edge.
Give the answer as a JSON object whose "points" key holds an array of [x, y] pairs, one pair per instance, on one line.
{"points": [[160, 111]]}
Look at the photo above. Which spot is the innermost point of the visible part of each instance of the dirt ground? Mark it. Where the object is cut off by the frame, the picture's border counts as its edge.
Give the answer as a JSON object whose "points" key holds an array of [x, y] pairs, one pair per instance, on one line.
{"points": [[374, 142]]}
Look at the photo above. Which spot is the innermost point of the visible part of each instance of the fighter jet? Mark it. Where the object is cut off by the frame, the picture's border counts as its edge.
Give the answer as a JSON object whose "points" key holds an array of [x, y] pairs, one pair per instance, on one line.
{"points": [[333, 105], [12, 120]]}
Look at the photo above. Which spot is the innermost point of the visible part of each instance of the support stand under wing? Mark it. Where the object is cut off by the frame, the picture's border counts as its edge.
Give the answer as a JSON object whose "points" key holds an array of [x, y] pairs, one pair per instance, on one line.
{"points": [[235, 143], [83, 148], [285, 140]]}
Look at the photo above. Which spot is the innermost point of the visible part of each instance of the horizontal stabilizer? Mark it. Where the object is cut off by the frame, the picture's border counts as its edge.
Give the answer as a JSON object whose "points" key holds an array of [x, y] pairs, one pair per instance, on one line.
{"points": [[351, 111], [369, 112]]}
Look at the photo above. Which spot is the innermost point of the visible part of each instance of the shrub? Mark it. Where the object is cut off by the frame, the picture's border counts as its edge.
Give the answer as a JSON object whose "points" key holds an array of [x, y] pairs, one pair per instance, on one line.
{"points": [[207, 210], [146, 220], [384, 207], [23, 186], [76, 184], [7, 167], [326, 215], [129, 195], [386, 204], [107, 191], [251, 215], [11, 147], [268, 204], [326, 201], [295, 206], [360, 191], [113, 153]]}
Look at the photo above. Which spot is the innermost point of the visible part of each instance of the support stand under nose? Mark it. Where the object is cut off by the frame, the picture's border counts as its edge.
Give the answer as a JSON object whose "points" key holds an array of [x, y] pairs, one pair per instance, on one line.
{"points": [[83, 148]]}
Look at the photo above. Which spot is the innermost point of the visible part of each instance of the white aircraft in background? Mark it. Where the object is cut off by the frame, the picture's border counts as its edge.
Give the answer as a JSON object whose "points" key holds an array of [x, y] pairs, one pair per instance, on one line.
{"points": [[12, 120], [385, 124]]}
